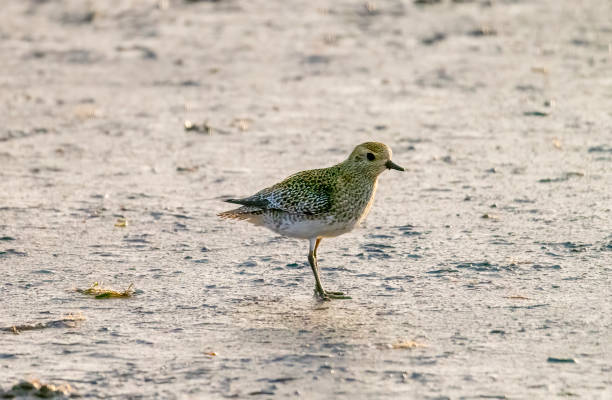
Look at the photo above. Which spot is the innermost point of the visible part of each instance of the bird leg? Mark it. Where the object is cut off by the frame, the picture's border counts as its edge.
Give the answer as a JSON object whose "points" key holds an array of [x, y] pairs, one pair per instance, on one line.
{"points": [[317, 246], [313, 264], [312, 259]]}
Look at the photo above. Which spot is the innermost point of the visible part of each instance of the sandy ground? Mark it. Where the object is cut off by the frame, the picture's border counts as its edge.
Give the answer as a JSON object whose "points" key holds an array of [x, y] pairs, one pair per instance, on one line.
{"points": [[490, 259]]}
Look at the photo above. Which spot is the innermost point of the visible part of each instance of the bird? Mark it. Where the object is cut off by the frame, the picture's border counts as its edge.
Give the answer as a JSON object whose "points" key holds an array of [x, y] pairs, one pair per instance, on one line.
{"points": [[319, 203]]}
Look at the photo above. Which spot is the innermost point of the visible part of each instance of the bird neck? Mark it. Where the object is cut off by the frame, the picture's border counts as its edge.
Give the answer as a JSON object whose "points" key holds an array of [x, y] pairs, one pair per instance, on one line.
{"points": [[358, 173]]}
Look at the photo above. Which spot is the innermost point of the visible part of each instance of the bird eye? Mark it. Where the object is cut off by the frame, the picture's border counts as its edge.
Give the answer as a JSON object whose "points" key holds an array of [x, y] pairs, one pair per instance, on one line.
{"points": [[370, 156]]}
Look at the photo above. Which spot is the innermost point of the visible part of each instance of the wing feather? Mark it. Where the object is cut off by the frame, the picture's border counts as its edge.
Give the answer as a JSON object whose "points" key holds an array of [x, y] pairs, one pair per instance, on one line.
{"points": [[307, 192]]}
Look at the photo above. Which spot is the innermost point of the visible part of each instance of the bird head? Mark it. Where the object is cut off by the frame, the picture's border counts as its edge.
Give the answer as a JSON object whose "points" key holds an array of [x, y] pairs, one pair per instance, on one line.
{"points": [[372, 158]]}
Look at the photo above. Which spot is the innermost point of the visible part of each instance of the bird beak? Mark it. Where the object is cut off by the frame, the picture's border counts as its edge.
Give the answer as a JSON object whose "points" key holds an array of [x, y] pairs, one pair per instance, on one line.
{"points": [[391, 165]]}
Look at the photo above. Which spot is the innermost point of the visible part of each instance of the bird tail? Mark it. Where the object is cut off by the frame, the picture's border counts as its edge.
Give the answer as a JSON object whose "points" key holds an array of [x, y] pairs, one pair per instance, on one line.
{"points": [[253, 215]]}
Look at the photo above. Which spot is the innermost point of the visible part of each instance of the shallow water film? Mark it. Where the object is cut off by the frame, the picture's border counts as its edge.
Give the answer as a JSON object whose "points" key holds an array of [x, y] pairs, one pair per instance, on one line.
{"points": [[483, 271]]}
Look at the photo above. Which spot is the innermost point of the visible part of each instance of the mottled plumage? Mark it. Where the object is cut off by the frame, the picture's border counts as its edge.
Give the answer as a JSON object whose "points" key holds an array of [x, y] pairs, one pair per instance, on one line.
{"points": [[319, 203]]}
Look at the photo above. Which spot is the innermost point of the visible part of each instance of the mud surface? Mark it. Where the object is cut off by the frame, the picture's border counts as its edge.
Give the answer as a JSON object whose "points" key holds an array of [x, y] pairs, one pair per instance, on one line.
{"points": [[482, 272]]}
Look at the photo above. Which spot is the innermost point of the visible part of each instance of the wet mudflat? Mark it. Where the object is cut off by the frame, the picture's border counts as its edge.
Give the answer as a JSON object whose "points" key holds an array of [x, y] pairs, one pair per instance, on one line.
{"points": [[482, 272]]}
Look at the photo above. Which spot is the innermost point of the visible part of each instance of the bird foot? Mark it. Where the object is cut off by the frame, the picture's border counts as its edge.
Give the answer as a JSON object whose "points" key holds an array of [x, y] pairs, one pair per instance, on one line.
{"points": [[337, 295], [328, 295]]}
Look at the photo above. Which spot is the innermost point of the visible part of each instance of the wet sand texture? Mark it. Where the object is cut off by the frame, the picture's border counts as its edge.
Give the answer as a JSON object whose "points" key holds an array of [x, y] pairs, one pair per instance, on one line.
{"points": [[482, 272]]}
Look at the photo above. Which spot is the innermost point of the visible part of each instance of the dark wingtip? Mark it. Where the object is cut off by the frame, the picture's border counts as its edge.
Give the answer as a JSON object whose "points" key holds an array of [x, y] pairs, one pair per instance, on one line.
{"points": [[249, 202]]}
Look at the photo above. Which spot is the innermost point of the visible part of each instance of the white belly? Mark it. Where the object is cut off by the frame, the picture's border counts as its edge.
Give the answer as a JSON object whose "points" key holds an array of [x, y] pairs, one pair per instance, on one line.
{"points": [[309, 228]]}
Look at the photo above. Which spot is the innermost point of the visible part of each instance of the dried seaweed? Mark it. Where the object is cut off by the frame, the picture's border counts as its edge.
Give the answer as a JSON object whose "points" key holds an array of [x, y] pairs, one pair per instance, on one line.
{"points": [[69, 321], [36, 389]]}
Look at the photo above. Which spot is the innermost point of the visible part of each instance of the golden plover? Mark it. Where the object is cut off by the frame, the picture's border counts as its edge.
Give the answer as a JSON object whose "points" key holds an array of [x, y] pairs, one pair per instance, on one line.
{"points": [[319, 203]]}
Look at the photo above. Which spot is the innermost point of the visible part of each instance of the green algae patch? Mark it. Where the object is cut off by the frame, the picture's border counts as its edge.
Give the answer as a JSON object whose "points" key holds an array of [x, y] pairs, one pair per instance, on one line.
{"points": [[98, 292]]}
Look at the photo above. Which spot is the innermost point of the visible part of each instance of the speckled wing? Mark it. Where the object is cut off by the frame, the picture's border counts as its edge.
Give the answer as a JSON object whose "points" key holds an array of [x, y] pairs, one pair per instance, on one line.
{"points": [[307, 192]]}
